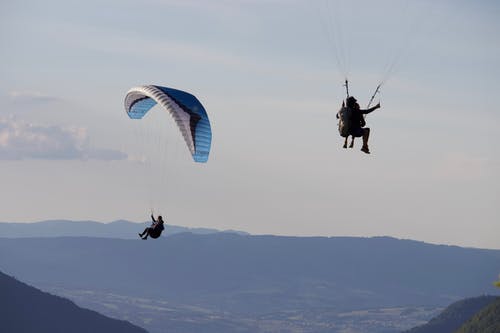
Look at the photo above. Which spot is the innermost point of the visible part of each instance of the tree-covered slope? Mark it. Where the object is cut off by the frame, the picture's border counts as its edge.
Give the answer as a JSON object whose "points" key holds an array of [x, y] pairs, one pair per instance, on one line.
{"points": [[454, 316], [27, 309], [486, 320]]}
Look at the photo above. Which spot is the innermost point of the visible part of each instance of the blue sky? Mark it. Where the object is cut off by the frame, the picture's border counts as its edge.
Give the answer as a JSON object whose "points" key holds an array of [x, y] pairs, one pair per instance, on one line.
{"points": [[267, 74]]}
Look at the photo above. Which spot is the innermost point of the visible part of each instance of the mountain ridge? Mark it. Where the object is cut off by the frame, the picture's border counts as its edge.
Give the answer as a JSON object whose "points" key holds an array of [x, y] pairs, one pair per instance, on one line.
{"points": [[122, 229], [125, 229], [257, 273], [27, 309]]}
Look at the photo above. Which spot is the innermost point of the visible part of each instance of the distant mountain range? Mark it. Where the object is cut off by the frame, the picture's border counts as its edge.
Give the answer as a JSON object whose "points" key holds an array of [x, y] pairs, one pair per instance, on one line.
{"points": [[27, 309], [118, 229], [258, 274], [457, 314], [229, 280]]}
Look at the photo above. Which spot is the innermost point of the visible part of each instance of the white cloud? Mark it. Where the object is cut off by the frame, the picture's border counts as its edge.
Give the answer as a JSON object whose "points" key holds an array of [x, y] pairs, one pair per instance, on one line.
{"points": [[31, 97], [21, 140]]}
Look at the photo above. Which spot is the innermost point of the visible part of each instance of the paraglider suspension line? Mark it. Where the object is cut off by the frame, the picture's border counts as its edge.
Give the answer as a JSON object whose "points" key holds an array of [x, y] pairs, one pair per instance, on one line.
{"points": [[374, 94]]}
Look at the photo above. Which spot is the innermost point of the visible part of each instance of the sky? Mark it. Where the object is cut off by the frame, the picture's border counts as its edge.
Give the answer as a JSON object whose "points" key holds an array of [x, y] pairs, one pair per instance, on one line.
{"points": [[270, 74]]}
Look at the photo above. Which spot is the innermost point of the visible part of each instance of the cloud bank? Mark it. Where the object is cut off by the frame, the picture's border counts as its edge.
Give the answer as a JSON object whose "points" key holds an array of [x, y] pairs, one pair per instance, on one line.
{"points": [[20, 140], [31, 97]]}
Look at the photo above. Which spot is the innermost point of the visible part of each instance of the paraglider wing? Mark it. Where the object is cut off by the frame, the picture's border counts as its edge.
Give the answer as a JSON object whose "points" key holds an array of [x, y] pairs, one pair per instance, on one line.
{"points": [[187, 111]]}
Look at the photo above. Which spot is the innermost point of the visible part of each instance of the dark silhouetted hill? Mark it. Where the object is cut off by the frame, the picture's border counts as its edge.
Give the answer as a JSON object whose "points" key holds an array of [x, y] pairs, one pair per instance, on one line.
{"points": [[455, 315], [26, 309], [486, 320], [117, 229], [257, 274]]}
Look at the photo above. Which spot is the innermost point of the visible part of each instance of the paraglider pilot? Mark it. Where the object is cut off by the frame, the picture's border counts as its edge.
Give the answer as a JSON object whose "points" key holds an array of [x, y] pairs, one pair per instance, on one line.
{"points": [[154, 231], [357, 122]]}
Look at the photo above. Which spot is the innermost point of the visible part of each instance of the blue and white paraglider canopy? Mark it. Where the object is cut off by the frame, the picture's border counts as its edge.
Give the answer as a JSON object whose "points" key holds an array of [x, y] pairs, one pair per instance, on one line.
{"points": [[187, 111]]}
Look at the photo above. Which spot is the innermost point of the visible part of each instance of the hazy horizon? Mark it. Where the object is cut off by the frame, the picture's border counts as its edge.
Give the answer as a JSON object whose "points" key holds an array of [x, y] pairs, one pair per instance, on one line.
{"points": [[194, 227]]}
